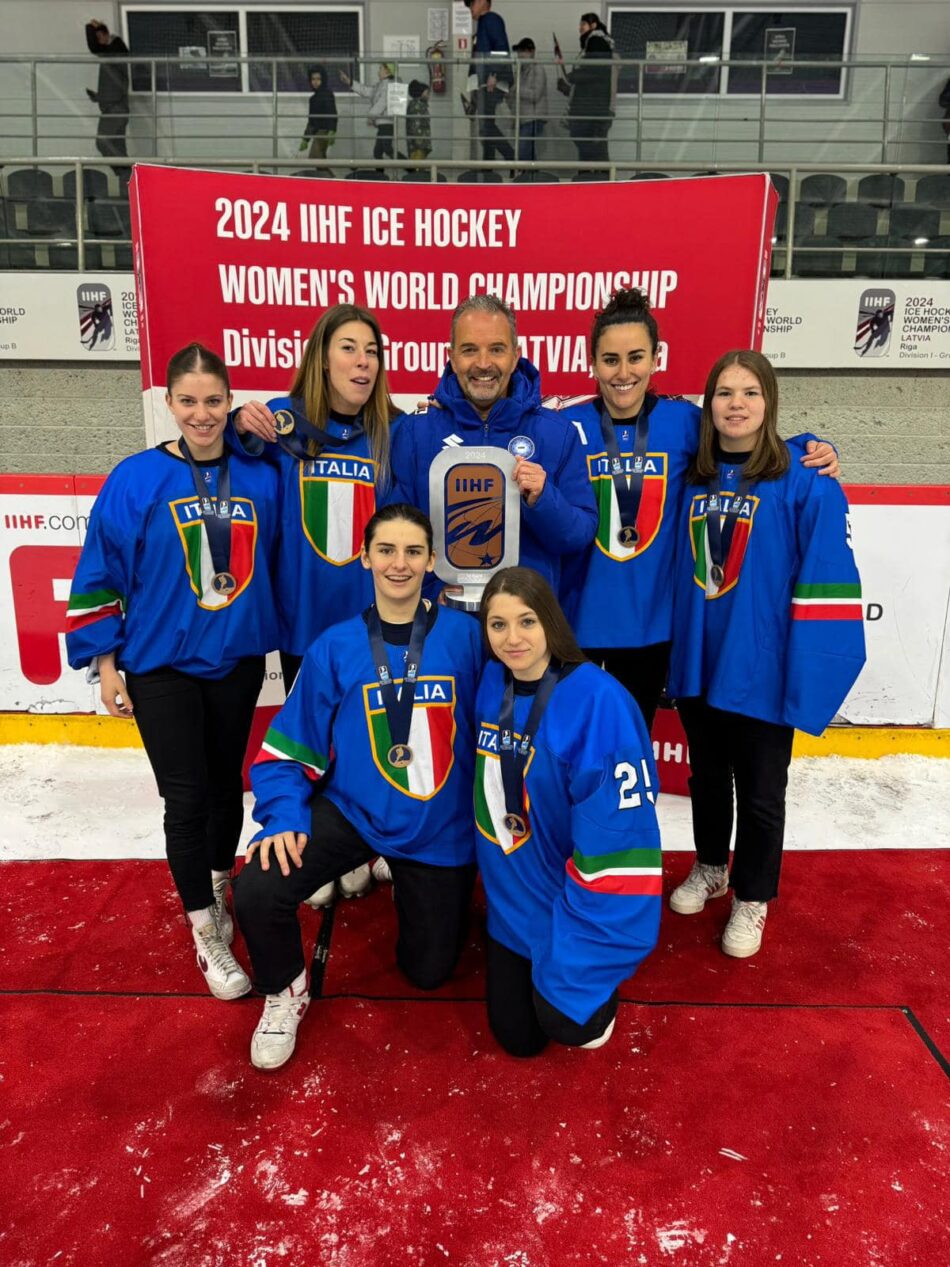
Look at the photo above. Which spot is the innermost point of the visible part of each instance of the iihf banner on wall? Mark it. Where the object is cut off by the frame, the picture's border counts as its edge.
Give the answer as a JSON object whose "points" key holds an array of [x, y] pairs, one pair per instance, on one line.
{"points": [[246, 264]]}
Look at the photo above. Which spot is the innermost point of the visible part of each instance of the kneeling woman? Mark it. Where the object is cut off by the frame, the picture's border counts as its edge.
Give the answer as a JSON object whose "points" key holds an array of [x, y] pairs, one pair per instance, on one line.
{"points": [[568, 842], [767, 636], [399, 784]]}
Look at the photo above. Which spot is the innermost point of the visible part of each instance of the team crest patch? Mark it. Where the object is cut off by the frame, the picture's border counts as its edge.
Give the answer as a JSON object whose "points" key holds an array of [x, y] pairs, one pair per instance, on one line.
{"points": [[490, 810], [652, 504], [337, 501], [194, 540], [431, 737], [521, 447], [474, 516], [737, 548]]}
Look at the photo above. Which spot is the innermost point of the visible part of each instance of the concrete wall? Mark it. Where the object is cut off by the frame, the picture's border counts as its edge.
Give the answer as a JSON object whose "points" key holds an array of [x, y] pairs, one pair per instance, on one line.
{"points": [[888, 426]]}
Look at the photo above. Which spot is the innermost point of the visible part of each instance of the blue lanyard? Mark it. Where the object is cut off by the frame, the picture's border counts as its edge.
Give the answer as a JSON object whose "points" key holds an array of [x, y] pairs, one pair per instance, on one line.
{"points": [[398, 705], [629, 494], [719, 534], [216, 517], [294, 429], [514, 756]]}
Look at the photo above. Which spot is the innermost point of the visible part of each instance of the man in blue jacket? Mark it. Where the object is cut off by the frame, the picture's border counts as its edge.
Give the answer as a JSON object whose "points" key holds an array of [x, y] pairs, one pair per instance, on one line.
{"points": [[494, 81], [490, 395]]}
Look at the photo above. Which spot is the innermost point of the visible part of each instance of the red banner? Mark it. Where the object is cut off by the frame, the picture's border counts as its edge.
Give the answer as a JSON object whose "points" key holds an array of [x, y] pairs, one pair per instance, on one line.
{"points": [[246, 264]]}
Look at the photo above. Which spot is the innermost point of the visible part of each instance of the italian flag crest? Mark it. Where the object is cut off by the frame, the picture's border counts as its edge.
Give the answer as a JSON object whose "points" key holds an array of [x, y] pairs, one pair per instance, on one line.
{"points": [[337, 501], [649, 514], [194, 541], [431, 736], [699, 539], [490, 809]]}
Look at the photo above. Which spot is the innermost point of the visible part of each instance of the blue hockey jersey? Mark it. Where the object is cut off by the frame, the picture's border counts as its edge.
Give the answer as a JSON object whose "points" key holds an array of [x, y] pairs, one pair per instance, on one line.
{"points": [[325, 505], [334, 720], [142, 587], [563, 519], [782, 637], [579, 893]]}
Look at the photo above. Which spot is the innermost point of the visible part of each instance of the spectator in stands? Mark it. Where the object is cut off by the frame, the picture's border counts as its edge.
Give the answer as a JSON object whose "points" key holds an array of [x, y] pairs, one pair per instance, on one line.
{"points": [[944, 100], [494, 81], [322, 115], [532, 100], [379, 116], [418, 123], [112, 92], [590, 112]]}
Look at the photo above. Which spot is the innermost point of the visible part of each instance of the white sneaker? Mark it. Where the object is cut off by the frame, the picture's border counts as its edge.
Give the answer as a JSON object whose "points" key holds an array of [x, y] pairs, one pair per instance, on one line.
{"points": [[743, 934], [276, 1034], [599, 1042], [225, 977], [222, 914], [702, 883], [356, 883], [381, 872], [324, 896]]}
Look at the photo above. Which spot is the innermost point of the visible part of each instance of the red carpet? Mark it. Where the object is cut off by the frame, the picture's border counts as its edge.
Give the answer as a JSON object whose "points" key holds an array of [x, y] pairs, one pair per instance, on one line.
{"points": [[134, 1131]]}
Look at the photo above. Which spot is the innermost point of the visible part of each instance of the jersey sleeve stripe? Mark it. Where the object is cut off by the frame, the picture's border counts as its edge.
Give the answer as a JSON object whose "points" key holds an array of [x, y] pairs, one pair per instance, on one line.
{"points": [[827, 591], [815, 610], [622, 860], [281, 748], [88, 604], [639, 883]]}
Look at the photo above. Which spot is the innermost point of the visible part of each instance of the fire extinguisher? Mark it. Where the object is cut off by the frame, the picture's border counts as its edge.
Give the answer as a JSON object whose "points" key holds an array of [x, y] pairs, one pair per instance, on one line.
{"points": [[435, 53]]}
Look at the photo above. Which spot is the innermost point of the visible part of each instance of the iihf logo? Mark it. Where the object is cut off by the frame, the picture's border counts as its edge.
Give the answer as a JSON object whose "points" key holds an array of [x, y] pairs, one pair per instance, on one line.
{"points": [[872, 336]]}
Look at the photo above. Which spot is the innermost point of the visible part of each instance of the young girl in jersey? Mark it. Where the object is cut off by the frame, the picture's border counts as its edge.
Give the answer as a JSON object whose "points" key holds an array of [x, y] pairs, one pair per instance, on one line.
{"points": [[638, 448], [567, 843], [173, 589], [330, 439], [400, 783], [767, 635]]}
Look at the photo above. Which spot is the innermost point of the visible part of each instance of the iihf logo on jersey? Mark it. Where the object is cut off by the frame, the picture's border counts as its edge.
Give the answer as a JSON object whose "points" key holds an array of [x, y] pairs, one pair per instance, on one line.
{"points": [[430, 736], [474, 516], [652, 502], [699, 540], [875, 319], [337, 501], [194, 540]]}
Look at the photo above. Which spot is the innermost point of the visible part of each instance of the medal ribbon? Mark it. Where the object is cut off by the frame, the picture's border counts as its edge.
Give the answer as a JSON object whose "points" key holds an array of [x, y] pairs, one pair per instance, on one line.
{"points": [[514, 756], [628, 493], [295, 443], [215, 511], [398, 706], [719, 534]]}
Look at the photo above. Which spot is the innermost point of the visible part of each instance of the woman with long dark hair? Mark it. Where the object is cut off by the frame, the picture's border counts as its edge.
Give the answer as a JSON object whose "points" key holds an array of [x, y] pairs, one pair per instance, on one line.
{"points": [[767, 636], [173, 590], [567, 843], [639, 446], [390, 694]]}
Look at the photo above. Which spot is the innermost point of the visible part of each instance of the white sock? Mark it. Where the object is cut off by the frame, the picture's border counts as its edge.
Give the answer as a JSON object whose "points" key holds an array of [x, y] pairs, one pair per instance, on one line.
{"points": [[200, 918]]}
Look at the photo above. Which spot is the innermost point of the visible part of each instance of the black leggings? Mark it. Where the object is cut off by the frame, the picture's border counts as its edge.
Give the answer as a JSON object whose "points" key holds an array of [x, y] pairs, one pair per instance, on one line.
{"points": [[726, 747], [642, 670], [195, 733], [432, 905], [522, 1020]]}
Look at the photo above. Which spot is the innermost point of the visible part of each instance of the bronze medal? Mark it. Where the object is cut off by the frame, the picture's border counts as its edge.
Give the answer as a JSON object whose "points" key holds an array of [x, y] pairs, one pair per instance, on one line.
{"points": [[717, 575], [515, 824], [399, 756], [283, 422], [223, 583], [628, 536]]}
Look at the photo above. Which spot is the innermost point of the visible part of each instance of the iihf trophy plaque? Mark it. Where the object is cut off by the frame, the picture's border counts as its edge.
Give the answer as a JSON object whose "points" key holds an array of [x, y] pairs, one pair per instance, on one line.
{"points": [[475, 508]]}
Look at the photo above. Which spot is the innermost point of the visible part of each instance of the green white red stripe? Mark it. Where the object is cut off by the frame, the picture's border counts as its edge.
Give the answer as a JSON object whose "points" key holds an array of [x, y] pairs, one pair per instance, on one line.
{"points": [[86, 609], [335, 515], [827, 601], [278, 747], [628, 871]]}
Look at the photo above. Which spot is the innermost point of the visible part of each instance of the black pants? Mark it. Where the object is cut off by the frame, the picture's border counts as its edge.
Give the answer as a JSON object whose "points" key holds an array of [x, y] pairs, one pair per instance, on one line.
{"points": [[289, 667], [195, 733], [432, 905], [110, 134], [755, 754], [490, 134], [642, 670], [522, 1020], [384, 141]]}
